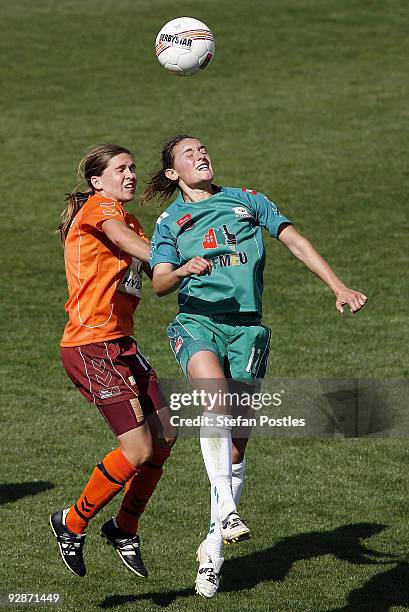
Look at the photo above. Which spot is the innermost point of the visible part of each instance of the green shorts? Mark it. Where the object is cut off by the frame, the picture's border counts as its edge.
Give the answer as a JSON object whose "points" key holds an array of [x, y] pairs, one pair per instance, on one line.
{"points": [[240, 342]]}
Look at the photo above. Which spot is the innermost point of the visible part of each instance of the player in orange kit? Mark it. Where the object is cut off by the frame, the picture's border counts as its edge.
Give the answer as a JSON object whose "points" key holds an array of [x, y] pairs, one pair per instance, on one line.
{"points": [[105, 251]]}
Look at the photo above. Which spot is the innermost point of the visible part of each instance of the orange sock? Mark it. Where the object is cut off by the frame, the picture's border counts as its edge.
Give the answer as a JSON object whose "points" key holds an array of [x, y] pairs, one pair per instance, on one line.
{"points": [[139, 490], [107, 479]]}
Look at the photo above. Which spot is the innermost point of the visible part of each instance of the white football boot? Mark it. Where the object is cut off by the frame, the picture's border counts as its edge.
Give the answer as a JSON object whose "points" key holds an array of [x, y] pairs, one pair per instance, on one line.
{"points": [[233, 529], [208, 575]]}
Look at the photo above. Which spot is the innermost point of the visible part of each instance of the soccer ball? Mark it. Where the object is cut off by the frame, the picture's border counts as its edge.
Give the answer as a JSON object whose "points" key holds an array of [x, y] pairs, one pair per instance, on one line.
{"points": [[184, 46]]}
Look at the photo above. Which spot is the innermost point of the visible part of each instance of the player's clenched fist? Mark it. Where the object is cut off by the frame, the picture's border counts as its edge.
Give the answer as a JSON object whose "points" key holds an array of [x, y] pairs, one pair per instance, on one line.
{"points": [[196, 265], [354, 299]]}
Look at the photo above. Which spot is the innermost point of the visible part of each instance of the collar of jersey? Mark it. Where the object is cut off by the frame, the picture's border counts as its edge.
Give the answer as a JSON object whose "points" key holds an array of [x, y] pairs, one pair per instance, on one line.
{"points": [[103, 198], [181, 201]]}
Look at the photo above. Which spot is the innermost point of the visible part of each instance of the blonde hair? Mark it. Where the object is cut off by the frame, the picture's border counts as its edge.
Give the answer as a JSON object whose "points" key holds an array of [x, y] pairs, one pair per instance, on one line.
{"points": [[92, 164]]}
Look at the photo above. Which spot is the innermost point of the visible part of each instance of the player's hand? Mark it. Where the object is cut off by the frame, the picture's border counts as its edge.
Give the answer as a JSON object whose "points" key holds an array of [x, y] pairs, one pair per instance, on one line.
{"points": [[196, 265], [348, 297]]}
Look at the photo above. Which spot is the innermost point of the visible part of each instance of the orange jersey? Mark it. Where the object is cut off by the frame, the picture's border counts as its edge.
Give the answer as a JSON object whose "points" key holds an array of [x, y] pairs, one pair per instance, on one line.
{"points": [[103, 281]]}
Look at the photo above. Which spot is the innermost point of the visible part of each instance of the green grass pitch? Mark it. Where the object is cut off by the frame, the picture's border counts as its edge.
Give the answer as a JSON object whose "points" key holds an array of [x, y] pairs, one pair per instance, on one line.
{"points": [[307, 101]]}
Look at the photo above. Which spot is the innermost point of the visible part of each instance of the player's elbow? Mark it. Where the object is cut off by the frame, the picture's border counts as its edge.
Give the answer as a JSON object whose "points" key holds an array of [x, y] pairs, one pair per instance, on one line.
{"points": [[158, 286], [297, 252], [301, 248]]}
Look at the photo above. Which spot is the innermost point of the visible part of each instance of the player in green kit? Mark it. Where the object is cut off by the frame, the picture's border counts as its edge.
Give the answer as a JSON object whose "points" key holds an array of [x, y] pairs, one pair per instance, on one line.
{"points": [[208, 244]]}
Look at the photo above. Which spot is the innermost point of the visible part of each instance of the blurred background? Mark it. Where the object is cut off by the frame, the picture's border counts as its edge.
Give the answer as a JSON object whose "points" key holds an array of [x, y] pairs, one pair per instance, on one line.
{"points": [[305, 101]]}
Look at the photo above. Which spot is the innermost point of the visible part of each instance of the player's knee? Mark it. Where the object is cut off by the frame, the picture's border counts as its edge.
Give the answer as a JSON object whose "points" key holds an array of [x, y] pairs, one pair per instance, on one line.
{"points": [[145, 450], [138, 455], [137, 446], [146, 455], [163, 432]]}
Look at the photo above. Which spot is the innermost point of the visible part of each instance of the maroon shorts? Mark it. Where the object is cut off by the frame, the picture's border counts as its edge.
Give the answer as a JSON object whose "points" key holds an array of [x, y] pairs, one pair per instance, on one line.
{"points": [[116, 377]]}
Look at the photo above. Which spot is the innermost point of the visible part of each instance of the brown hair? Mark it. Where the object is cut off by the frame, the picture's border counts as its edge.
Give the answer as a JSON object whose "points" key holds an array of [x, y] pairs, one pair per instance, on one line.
{"points": [[159, 182], [92, 164]]}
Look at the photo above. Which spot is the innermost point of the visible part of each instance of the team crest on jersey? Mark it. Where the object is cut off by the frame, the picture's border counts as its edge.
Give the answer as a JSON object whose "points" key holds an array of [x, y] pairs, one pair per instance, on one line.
{"points": [[218, 237], [242, 213]]}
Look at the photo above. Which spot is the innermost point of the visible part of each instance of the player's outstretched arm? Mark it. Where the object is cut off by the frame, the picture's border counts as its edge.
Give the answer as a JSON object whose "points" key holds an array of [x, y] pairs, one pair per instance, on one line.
{"points": [[166, 277], [305, 252], [126, 239]]}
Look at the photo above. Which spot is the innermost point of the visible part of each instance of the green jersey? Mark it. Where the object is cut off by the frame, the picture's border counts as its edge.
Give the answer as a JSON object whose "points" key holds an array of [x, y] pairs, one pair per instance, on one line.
{"points": [[226, 229]]}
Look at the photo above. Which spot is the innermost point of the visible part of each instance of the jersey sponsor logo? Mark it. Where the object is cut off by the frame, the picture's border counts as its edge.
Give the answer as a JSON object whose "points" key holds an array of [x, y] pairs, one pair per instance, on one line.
{"points": [[162, 216], [219, 237], [110, 213], [252, 191], [186, 222], [242, 213], [132, 280], [230, 259], [273, 206], [183, 220]]}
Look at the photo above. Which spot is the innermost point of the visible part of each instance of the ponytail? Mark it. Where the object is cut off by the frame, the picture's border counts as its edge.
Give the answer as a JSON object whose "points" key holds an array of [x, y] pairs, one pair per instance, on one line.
{"points": [[159, 182], [74, 202]]}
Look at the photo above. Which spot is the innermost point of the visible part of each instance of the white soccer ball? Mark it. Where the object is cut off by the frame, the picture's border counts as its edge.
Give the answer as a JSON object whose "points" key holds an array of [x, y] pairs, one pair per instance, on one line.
{"points": [[184, 46]]}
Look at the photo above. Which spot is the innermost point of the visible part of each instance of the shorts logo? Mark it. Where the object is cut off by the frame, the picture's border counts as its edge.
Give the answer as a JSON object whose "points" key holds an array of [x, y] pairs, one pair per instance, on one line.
{"points": [[103, 377], [219, 237], [178, 344], [131, 380], [107, 393]]}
